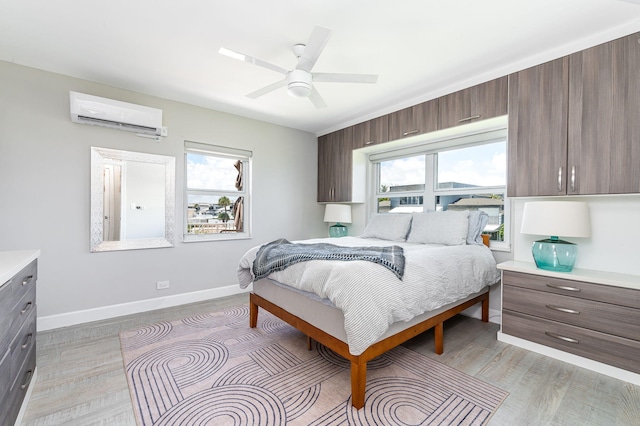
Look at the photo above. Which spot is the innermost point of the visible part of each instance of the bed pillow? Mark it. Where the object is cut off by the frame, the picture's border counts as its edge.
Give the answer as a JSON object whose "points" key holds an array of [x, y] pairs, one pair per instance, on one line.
{"points": [[477, 221], [388, 226], [449, 228]]}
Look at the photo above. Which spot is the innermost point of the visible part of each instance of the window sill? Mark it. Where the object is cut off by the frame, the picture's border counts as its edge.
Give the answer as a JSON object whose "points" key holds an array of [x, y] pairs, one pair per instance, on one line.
{"points": [[215, 237]]}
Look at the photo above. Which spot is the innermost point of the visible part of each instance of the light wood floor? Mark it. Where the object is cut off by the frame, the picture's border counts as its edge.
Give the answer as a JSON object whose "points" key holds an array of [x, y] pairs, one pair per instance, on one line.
{"points": [[81, 378]]}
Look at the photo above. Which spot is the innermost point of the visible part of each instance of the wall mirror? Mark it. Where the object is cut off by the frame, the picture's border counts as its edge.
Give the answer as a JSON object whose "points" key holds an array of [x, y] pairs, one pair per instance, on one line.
{"points": [[132, 200]]}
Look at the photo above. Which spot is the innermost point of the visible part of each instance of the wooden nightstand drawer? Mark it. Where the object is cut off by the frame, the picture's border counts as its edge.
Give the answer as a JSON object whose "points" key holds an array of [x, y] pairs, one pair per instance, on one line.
{"points": [[583, 290], [613, 350], [605, 317]]}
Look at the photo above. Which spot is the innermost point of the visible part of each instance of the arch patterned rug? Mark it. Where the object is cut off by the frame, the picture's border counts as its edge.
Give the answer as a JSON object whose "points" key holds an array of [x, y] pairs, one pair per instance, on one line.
{"points": [[213, 369]]}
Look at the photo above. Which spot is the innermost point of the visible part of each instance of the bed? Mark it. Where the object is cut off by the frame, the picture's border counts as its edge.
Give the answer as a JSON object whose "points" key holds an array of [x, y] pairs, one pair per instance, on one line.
{"points": [[361, 308]]}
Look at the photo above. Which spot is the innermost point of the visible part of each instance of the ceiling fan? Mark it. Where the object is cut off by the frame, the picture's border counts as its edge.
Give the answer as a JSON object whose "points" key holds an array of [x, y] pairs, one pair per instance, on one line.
{"points": [[299, 81]]}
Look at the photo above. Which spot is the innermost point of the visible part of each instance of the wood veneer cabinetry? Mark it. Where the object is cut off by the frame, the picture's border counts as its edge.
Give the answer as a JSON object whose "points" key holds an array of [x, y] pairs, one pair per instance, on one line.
{"points": [[335, 166], [604, 118], [415, 120], [573, 123], [17, 340], [371, 132], [595, 321], [538, 116], [486, 100]]}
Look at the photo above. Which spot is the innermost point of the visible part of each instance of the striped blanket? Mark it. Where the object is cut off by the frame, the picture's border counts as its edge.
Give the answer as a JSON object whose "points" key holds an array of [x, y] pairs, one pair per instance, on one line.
{"points": [[280, 254]]}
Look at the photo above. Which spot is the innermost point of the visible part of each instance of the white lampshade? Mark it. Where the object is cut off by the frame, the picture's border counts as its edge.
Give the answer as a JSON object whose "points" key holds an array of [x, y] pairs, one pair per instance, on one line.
{"points": [[556, 218], [339, 213]]}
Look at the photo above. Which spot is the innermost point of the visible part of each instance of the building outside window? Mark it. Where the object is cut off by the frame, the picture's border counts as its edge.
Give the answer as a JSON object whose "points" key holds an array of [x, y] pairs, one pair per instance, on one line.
{"points": [[217, 196]]}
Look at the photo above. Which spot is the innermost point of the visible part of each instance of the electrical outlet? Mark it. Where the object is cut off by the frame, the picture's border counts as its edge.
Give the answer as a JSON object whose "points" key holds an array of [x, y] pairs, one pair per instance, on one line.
{"points": [[161, 285]]}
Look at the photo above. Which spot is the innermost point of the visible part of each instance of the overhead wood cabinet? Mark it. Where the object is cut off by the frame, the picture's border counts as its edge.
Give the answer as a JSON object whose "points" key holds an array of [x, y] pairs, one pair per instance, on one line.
{"points": [[371, 132], [574, 123], [415, 120], [537, 135], [334, 166], [486, 100], [604, 118]]}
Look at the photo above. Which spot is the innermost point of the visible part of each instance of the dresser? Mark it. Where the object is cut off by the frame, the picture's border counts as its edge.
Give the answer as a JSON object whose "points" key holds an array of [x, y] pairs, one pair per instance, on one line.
{"points": [[18, 276], [589, 318]]}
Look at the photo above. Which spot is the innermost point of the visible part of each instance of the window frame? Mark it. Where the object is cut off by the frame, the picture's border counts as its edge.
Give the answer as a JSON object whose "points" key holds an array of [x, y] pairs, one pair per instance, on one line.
{"points": [[430, 193], [227, 153]]}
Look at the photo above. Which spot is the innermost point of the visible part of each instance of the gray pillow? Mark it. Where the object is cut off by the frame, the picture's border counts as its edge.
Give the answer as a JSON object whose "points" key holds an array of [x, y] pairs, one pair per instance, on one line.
{"points": [[477, 221], [388, 226], [449, 228]]}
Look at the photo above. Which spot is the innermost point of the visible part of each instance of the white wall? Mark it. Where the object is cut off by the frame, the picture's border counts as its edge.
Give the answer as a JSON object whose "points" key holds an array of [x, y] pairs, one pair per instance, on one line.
{"points": [[45, 192]]}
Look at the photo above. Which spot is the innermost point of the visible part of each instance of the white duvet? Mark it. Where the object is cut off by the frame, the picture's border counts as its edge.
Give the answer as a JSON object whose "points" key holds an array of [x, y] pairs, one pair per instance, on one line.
{"points": [[372, 297]]}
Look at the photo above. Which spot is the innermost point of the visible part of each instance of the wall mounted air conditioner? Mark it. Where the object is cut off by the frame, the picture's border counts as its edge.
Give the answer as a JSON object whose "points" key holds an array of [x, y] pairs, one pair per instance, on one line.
{"points": [[142, 120]]}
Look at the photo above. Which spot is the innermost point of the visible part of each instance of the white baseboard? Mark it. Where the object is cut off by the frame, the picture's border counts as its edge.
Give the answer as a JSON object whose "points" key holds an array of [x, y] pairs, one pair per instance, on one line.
{"points": [[475, 311], [105, 312], [589, 364]]}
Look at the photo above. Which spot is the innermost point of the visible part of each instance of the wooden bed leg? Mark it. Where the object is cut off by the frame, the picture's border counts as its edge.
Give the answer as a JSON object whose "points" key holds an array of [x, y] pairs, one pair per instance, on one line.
{"points": [[438, 332], [253, 314], [309, 343], [485, 309], [358, 383]]}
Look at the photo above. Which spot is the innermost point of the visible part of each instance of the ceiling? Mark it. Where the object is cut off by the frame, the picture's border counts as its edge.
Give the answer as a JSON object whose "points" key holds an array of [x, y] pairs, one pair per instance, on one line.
{"points": [[420, 49]]}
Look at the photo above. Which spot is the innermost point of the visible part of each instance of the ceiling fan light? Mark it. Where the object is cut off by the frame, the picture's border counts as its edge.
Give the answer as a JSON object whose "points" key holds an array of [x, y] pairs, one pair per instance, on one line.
{"points": [[299, 89]]}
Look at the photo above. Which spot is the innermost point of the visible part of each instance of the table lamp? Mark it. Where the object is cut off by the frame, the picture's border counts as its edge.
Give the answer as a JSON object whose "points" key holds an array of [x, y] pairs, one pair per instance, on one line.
{"points": [[337, 213], [556, 218]]}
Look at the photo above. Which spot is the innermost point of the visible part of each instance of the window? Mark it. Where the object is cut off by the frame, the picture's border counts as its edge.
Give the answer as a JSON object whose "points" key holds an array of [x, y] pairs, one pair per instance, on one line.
{"points": [[462, 174], [217, 195]]}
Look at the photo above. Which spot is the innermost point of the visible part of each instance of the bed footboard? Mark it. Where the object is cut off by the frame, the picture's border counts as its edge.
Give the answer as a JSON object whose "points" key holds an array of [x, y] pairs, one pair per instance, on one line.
{"points": [[359, 362]]}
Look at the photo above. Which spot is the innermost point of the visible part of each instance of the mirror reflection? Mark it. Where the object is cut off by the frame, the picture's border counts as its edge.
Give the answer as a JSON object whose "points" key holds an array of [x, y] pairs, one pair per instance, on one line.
{"points": [[132, 200]]}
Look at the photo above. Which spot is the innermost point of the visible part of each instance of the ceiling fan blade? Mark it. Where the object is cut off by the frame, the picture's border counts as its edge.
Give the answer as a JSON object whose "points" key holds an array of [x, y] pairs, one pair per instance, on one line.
{"points": [[317, 41], [267, 89], [316, 99], [344, 78], [247, 58]]}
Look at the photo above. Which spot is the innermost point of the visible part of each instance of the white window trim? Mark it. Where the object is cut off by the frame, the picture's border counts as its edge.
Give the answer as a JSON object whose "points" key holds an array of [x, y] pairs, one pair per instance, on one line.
{"points": [[231, 153]]}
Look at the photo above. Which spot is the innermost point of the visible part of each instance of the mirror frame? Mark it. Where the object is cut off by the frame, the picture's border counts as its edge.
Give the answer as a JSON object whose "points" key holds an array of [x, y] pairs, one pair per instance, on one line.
{"points": [[98, 157]]}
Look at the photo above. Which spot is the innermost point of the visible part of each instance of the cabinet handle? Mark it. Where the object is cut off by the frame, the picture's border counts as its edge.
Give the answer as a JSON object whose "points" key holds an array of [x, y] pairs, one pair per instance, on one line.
{"points": [[473, 117], [411, 132], [27, 339], [26, 307], [560, 179], [563, 338], [27, 280], [563, 287], [565, 310], [573, 178], [370, 143], [27, 380]]}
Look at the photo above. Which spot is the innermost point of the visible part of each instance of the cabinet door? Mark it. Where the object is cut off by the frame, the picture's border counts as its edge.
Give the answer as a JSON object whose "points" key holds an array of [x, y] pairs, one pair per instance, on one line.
{"points": [[371, 132], [415, 120], [537, 135], [486, 100], [604, 118], [334, 166]]}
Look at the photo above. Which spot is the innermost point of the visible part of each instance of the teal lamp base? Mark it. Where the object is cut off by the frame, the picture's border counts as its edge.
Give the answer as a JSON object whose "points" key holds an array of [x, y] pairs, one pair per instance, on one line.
{"points": [[553, 254], [337, 230]]}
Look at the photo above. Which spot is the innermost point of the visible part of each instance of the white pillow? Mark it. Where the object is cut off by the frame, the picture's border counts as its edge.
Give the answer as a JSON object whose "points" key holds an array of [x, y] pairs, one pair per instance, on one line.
{"points": [[449, 228], [388, 226]]}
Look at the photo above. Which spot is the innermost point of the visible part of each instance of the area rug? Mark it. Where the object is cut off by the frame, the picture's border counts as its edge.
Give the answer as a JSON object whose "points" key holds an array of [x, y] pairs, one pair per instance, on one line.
{"points": [[212, 369]]}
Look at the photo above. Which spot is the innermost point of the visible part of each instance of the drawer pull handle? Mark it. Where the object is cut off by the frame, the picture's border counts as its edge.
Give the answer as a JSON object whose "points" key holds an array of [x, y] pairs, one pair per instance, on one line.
{"points": [[27, 280], [26, 307], [411, 132], [370, 142], [565, 310], [563, 338], [473, 117], [27, 380], [563, 287], [27, 339]]}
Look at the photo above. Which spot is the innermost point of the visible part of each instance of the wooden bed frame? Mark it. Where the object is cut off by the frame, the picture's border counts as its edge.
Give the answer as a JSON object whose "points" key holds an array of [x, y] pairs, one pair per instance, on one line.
{"points": [[359, 362]]}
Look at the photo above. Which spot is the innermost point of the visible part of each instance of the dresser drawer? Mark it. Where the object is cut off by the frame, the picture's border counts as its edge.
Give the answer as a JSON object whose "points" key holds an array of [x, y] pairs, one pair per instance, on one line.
{"points": [[22, 310], [613, 319], [23, 343], [21, 386], [583, 290], [25, 281], [612, 350]]}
